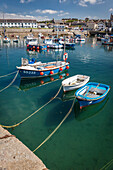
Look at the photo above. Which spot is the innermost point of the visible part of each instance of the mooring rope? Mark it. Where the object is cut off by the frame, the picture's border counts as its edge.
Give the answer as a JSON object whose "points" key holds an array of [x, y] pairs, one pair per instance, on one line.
{"points": [[107, 165], [10, 83], [8, 74], [12, 126], [56, 127]]}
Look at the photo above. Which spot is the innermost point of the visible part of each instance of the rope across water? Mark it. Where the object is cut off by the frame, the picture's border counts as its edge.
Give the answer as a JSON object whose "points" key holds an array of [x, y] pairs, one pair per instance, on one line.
{"points": [[56, 127], [8, 74], [12, 126], [11, 82]]}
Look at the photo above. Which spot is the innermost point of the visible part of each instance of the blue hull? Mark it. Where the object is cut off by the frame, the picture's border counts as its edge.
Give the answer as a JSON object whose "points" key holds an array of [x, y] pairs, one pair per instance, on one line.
{"points": [[84, 103], [36, 74], [91, 93]]}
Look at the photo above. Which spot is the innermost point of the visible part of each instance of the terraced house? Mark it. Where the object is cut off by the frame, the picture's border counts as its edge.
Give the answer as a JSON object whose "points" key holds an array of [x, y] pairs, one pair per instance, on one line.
{"points": [[18, 23]]}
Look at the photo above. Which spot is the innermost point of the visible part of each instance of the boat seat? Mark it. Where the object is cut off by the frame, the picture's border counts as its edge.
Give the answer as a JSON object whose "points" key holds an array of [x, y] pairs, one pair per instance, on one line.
{"points": [[91, 95], [98, 91]]}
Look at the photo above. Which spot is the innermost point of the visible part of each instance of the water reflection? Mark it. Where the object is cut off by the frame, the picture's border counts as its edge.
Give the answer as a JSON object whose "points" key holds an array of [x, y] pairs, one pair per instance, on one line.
{"points": [[107, 47], [26, 84], [20, 43], [87, 112], [70, 95]]}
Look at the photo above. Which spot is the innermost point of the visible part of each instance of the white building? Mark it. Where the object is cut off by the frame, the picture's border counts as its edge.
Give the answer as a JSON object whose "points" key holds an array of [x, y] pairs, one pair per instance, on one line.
{"points": [[18, 23], [101, 26]]}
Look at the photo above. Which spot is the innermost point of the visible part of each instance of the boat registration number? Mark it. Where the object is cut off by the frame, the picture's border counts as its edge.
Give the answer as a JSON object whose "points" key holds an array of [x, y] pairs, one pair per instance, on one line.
{"points": [[29, 72]]}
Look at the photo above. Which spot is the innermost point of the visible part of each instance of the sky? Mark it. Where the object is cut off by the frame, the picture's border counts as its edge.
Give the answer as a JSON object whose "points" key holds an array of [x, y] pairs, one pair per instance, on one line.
{"points": [[57, 9]]}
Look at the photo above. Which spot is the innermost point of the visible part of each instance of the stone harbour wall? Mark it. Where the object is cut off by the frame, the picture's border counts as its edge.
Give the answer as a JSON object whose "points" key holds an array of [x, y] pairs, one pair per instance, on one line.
{"points": [[14, 155]]}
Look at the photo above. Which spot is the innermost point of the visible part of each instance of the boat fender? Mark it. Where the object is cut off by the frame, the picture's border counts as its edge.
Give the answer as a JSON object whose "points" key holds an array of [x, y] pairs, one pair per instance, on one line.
{"points": [[41, 73], [67, 67], [51, 72], [60, 68]]}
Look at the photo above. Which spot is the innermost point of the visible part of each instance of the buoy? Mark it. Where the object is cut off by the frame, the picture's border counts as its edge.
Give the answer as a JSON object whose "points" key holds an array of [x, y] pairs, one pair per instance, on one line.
{"points": [[33, 46], [42, 82], [38, 48], [41, 73], [60, 68], [51, 72], [27, 45], [67, 67]]}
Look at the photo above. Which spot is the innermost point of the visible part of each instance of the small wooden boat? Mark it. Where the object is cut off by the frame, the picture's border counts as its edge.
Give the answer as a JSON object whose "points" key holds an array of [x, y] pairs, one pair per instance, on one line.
{"points": [[74, 82], [35, 69], [91, 93]]}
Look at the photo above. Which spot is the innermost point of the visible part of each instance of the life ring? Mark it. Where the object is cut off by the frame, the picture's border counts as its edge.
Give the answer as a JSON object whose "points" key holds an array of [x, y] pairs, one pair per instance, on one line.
{"points": [[65, 56]]}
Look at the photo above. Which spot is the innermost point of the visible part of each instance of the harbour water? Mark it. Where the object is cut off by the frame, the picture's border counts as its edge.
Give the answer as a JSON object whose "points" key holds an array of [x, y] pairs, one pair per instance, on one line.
{"points": [[85, 139]]}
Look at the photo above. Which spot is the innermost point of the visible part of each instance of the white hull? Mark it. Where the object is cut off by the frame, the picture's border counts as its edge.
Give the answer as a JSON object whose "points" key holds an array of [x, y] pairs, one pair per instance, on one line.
{"points": [[74, 82]]}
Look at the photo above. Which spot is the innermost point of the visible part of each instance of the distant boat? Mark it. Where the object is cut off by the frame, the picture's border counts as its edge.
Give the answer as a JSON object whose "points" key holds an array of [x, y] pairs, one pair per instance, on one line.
{"points": [[32, 41], [74, 82], [6, 39], [108, 41], [78, 38], [67, 44], [51, 43], [16, 40], [91, 93], [35, 69]]}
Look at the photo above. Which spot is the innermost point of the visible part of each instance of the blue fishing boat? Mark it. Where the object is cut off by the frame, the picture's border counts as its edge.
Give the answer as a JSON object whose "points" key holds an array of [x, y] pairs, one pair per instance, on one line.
{"points": [[91, 93], [35, 69]]}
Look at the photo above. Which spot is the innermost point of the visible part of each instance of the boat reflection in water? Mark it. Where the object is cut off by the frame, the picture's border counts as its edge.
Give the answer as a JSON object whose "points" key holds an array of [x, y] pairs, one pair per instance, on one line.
{"points": [[87, 112], [26, 84], [69, 95]]}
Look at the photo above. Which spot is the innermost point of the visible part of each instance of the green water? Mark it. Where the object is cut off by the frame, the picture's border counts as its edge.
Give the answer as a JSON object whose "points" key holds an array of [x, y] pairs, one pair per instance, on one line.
{"points": [[85, 139]]}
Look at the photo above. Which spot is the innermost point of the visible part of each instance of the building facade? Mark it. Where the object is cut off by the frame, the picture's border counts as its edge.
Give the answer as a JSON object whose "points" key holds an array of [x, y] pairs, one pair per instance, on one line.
{"points": [[18, 23]]}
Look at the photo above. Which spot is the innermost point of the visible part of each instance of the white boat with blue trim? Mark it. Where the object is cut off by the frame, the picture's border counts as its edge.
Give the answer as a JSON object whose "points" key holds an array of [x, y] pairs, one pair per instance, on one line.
{"points": [[35, 69], [91, 93]]}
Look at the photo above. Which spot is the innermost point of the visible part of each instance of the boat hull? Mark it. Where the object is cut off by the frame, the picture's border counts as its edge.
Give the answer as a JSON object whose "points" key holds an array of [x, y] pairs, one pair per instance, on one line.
{"points": [[67, 87], [85, 103], [24, 73], [86, 96]]}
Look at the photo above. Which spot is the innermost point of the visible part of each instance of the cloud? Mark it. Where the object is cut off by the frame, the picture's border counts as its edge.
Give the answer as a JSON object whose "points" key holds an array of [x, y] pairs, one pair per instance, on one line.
{"points": [[49, 11], [63, 14], [84, 3], [25, 1], [62, 1], [111, 10], [16, 16], [46, 11]]}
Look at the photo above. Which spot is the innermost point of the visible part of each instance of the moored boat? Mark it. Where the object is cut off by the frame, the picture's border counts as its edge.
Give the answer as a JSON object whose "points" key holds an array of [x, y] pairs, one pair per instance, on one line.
{"points": [[74, 82], [6, 39], [91, 93], [35, 69]]}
